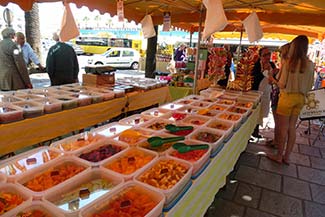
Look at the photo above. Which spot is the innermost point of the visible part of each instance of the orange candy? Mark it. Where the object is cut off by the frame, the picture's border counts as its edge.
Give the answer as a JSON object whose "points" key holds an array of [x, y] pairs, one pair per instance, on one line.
{"points": [[9, 201], [191, 156], [130, 162], [53, 176], [81, 142]]}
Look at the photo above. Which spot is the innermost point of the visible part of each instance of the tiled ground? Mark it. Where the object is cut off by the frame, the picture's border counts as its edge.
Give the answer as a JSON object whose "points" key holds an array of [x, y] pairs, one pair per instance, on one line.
{"points": [[259, 187]]}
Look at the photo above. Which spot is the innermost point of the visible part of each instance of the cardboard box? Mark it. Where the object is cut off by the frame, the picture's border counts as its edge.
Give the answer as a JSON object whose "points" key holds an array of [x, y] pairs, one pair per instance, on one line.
{"points": [[93, 79]]}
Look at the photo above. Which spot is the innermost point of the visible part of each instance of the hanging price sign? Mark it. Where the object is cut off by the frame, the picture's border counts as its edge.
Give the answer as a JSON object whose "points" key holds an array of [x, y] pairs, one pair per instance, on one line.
{"points": [[120, 10], [166, 22]]}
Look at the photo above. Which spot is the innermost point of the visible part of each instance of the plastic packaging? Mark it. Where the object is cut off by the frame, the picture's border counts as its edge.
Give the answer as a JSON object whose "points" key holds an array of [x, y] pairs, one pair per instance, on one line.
{"points": [[196, 120], [50, 105], [52, 175], [156, 124], [223, 125], [130, 163], [226, 102], [203, 156], [88, 189], [200, 104], [111, 130], [124, 197], [7, 98], [233, 117], [67, 101], [101, 150], [238, 110], [189, 109], [134, 120], [184, 101], [24, 198], [171, 106], [155, 113], [26, 161], [83, 99], [167, 166], [10, 113], [30, 108], [37, 208], [218, 107], [133, 135], [207, 135], [72, 144]]}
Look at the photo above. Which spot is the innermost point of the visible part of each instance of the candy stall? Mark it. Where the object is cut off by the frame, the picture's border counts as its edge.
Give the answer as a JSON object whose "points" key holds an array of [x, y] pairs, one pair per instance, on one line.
{"points": [[170, 160]]}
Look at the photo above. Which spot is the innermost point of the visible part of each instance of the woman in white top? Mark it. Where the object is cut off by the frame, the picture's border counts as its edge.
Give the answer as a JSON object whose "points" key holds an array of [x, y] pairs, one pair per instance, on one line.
{"points": [[296, 80]]}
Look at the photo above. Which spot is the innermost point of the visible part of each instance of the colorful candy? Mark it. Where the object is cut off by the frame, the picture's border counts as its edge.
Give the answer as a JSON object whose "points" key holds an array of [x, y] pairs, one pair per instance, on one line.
{"points": [[9, 201], [101, 153]]}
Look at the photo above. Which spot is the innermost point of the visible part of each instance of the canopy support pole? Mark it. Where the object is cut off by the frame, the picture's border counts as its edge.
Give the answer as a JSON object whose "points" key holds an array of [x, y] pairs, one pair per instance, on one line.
{"points": [[197, 55]]}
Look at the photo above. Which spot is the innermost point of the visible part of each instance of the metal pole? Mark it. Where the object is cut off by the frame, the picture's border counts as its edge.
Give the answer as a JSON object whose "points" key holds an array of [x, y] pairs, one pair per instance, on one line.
{"points": [[197, 51]]}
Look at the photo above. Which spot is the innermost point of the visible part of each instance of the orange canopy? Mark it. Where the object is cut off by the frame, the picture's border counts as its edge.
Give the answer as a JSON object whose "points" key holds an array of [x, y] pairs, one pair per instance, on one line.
{"points": [[276, 16]]}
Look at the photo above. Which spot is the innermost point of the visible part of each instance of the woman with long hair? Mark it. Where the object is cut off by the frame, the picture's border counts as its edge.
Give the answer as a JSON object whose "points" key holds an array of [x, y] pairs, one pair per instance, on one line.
{"points": [[284, 51], [296, 80]]}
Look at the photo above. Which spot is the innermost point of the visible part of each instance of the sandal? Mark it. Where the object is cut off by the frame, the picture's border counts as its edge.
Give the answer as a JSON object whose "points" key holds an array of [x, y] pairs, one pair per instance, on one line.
{"points": [[274, 158]]}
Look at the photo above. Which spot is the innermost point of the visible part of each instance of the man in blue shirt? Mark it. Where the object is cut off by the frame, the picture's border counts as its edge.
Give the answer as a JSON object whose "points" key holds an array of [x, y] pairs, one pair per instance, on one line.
{"points": [[28, 52]]}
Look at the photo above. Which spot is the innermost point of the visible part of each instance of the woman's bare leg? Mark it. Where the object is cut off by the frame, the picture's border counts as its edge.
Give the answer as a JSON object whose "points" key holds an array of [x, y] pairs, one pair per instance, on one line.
{"points": [[276, 128], [291, 137]]}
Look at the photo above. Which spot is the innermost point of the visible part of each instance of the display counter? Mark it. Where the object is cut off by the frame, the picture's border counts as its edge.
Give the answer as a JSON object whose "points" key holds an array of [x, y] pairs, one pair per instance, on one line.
{"points": [[201, 194], [31, 131]]}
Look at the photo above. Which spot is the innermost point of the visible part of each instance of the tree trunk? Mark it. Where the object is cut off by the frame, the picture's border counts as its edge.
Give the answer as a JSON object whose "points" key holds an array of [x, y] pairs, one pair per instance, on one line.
{"points": [[32, 29], [151, 56]]}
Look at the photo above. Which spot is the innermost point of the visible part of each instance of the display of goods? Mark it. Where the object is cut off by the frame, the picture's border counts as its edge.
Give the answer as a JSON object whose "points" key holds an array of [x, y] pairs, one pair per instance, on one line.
{"points": [[130, 202], [83, 194], [157, 125], [135, 121], [101, 153], [244, 77], [191, 156], [80, 142], [83, 99], [178, 116], [184, 101], [50, 106], [207, 137], [219, 125], [171, 106], [30, 109], [53, 176], [9, 201], [226, 101], [200, 104], [132, 136], [218, 107], [245, 104], [10, 114], [154, 113], [230, 117], [195, 120], [217, 62], [207, 100], [158, 149], [182, 132], [207, 112], [33, 213], [164, 174], [237, 110], [29, 162], [130, 162]]}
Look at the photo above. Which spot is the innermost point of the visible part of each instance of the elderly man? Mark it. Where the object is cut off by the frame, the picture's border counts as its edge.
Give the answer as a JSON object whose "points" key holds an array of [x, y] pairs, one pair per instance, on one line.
{"points": [[28, 52], [62, 63], [13, 70]]}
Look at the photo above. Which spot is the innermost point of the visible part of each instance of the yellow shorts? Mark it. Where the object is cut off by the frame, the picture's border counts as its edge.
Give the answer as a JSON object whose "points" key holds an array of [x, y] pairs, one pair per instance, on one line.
{"points": [[290, 104]]}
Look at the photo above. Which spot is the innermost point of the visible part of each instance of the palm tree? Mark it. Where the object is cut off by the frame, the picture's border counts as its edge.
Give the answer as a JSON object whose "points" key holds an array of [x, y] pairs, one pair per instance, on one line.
{"points": [[97, 20], [32, 29], [86, 19]]}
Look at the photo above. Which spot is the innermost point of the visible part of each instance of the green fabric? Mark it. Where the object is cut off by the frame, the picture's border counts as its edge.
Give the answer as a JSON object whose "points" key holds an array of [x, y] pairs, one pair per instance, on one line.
{"points": [[179, 92]]}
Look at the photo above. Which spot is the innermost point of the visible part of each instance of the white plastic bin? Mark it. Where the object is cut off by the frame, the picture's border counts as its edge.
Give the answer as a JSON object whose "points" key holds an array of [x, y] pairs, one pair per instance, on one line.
{"points": [[218, 107], [29, 160], [176, 172], [130, 163], [50, 104], [226, 102], [156, 124], [134, 120], [119, 196], [200, 104], [40, 207], [223, 125], [52, 175], [207, 135], [10, 113], [88, 189], [184, 101], [171, 106], [195, 120], [133, 135], [155, 113], [238, 110], [30, 108], [67, 101], [12, 189], [111, 130], [233, 117]]}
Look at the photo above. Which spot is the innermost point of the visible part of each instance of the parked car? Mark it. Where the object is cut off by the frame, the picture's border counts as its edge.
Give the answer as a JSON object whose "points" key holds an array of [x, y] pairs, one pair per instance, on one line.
{"points": [[76, 48], [118, 57]]}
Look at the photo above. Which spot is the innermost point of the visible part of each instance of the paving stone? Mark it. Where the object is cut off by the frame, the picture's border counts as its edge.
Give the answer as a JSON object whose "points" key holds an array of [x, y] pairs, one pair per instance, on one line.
{"points": [[229, 191], [221, 207], [282, 169], [309, 150], [302, 140], [300, 159], [248, 195], [248, 159], [322, 150], [295, 149], [259, 177], [314, 209], [318, 193], [256, 148], [318, 163], [296, 188], [311, 175], [281, 205], [257, 213]]}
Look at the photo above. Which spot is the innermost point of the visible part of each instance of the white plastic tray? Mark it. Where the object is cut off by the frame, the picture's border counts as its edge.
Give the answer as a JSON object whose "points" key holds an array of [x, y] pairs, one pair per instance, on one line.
{"points": [[46, 209], [10, 113], [195, 120], [155, 113], [111, 130], [30, 108], [214, 144], [237, 118], [156, 124], [134, 120], [220, 124], [133, 135]]}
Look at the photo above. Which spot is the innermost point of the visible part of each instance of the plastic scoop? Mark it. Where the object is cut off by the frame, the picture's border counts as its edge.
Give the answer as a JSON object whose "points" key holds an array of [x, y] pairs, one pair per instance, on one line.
{"points": [[174, 128], [156, 141], [183, 148]]}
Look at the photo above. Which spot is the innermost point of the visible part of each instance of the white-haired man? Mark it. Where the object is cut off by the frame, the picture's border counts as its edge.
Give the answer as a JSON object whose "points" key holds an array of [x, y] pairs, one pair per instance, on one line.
{"points": [[13, 70]]}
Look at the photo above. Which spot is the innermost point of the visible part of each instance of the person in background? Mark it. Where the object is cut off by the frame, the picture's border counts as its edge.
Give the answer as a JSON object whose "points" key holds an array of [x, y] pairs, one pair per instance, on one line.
{"points": [[180, 53], [28, 52], [13, 70], [62, 63], [296, 80], [262, 71], [284, 50], [224, 82]]}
